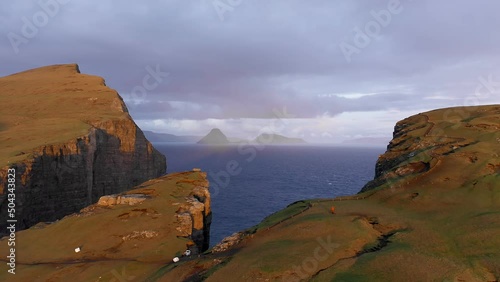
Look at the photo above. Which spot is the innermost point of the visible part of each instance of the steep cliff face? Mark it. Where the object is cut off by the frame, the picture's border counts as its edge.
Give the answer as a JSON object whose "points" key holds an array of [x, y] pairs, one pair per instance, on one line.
{"points": [[70, 140], [422, 141], [194, 216]]}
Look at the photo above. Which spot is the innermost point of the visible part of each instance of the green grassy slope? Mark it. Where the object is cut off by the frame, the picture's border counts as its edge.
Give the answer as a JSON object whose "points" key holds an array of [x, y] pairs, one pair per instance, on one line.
{"points": [[433, 215]]}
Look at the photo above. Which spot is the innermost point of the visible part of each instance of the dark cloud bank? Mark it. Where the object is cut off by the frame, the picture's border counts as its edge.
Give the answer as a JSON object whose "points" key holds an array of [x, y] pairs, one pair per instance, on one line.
{"points": [[334, 65]]}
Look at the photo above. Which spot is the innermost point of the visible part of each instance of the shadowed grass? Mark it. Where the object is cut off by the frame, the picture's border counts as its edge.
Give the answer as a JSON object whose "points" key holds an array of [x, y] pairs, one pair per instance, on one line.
{"points": [[286, 213]]}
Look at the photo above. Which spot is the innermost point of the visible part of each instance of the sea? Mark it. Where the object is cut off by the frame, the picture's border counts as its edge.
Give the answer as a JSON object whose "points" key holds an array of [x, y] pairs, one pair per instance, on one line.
{"points": [[250, 182]]}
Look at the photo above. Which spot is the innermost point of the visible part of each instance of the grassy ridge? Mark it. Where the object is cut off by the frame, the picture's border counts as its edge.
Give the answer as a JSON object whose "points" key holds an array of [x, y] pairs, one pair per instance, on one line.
{"points": [[51, 105]]}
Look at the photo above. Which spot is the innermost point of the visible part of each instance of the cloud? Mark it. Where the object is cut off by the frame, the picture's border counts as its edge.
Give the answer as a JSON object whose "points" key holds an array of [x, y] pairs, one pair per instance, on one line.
{"points": [[266, 55]]}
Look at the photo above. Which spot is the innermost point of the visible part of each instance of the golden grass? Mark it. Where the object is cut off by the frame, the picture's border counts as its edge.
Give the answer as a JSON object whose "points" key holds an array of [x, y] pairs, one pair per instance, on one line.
{"points": [[50, 105], [442, 224], [136, 239]]}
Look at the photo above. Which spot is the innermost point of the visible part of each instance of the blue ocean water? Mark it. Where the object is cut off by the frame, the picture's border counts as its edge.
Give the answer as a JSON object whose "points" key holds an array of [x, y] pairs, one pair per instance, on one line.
{"points": [[249, 183]]}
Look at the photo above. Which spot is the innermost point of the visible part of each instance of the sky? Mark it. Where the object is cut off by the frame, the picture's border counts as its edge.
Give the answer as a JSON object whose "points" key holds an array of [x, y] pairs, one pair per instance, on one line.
{"points": [[323, 70]]}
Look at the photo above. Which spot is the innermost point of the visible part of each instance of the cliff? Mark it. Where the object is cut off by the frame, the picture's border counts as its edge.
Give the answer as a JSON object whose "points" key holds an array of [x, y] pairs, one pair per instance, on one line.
{"points": [[124, 237], [423, 141], [70, 140], [431, 214], [194, 216]]}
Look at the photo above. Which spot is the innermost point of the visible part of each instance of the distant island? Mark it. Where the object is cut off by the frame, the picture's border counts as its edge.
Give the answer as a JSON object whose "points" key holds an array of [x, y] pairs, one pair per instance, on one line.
{"points": [[267, 138], [217, 137], [214, 137], [166, 137]]}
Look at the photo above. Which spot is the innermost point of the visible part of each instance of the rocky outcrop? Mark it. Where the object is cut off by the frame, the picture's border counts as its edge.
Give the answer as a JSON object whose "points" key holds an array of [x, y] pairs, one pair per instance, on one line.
{"points": [[132, 234], [194, 217], [228, 242], [388, 164], [421, 141], [94, 147], [115, 199]]}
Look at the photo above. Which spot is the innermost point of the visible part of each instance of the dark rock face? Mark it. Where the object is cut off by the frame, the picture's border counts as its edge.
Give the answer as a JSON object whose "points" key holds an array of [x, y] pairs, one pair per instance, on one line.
{"points": [[395, 162], [423, 140], [62, 179], [59, 179], [194, 217], [214, 137]]}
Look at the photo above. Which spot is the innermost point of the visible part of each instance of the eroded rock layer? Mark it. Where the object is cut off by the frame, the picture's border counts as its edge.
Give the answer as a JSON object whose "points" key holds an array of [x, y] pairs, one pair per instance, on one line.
{"points": [[422, 141]]}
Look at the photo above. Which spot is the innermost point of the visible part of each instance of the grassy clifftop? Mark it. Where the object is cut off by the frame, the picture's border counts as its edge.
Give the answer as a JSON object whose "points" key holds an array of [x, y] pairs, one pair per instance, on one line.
{"points": [[51, 105], [118, 242], [432, 214], [70, 140]]}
